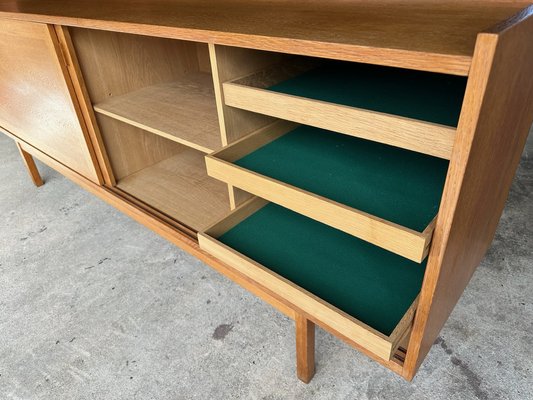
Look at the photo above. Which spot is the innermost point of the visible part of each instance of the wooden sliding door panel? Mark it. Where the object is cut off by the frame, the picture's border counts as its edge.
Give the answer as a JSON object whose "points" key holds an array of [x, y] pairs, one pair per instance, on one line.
{"points": [[36, 104]]}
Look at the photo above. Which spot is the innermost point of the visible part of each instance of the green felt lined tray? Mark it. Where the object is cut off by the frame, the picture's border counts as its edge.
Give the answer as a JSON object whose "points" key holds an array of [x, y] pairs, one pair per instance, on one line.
{"points": [[419, 95], [371, 284], [397, 185]]}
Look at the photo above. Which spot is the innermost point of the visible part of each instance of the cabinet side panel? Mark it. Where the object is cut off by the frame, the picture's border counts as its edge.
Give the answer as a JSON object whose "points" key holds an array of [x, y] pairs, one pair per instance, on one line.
{"points": [[495, 121], [36, 102]]}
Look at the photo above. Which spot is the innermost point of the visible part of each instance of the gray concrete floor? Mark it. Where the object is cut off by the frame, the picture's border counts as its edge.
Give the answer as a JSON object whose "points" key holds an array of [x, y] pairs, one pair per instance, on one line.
{"points": [[95, 306]]}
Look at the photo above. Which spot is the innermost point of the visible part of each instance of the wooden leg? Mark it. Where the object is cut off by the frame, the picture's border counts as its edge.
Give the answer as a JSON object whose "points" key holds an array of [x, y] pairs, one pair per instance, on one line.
{"points": [[305, 348], [30, 166]]}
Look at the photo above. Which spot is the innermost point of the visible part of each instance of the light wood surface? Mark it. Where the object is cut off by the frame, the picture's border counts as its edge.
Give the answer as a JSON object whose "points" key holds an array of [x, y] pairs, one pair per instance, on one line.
{"points": [[29, 162], [492, 131], [131, 149], [229, 221], [35, 96], [404, 326], [183, 111], [305, 348], [427, 35], [432, 36], [388, 235], [367, 337], [154, 212], [204, 59], [229, 63], [84, 102], [128, 73], [423, 137], [279, 72], [115, 64], [179, 187]]}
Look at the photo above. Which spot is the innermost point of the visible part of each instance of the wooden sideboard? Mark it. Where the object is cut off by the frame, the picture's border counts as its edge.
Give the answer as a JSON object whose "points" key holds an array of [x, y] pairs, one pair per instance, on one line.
{"points": [[347, 162]]}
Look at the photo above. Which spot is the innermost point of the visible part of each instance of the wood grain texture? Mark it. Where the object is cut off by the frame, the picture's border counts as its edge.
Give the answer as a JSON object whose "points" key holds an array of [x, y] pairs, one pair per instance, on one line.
{"points": [[131, 149], [289, 68], [131, 76], [154, 212], [84, 102], [114, 64], [229, 63], [179, 187], [36, 98], [388, 235], [420, 136], [432, 36], [404, 326], [491, 132], [204, 59], [385, 234], [29, 162], [493, 128], [364, 335], [305, 348], [229, 221], [322, 312], [183, 111]]}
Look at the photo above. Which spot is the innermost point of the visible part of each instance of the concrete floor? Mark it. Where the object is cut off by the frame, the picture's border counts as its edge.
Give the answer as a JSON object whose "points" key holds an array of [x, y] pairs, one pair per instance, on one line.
{"points": [[95, 306]]}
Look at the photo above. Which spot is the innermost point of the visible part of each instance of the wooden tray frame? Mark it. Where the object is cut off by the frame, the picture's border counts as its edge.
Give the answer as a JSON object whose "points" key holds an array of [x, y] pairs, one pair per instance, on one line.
{"points": [[388, 235], [382, 345]]}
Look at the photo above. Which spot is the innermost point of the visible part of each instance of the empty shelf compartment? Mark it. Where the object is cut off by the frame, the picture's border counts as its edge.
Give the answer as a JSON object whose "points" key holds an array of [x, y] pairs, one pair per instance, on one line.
{"points": [[179, 187], [382, 194], [366, 293], [183, 111], [410, 109]]}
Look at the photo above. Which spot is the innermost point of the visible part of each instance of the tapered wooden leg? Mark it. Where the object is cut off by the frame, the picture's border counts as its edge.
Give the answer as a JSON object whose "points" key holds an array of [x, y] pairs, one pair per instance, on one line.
{"points": [[30, 166], [305, 348]]}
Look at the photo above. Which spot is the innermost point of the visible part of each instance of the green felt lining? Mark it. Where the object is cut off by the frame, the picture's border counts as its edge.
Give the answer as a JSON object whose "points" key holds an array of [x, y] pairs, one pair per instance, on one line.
{"points": [[397, 185], [420, 95], [371, 284]]}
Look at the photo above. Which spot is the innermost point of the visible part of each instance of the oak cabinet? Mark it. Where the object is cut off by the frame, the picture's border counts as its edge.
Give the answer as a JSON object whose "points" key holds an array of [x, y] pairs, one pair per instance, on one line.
{"points": [[343, 170], [36, 100]]}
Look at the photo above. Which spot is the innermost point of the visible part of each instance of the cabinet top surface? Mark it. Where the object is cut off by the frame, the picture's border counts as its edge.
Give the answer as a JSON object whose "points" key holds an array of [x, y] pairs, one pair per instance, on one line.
{"points": [[442, 33]]}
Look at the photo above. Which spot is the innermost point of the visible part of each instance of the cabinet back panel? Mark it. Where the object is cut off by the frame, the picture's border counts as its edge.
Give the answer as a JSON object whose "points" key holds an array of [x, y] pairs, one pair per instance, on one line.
{"points": [[131, 149], [115, 63]]}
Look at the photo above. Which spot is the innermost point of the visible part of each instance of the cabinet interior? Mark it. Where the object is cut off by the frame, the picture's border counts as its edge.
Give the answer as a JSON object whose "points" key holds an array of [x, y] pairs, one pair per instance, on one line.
{"points": [[155, 105], [165, 105]]}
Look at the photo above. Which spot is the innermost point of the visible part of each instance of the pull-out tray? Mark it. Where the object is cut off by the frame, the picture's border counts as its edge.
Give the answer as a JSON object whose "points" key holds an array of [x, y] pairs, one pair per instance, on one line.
{"points": [[414, 110], [382, 194], [365, 293]]}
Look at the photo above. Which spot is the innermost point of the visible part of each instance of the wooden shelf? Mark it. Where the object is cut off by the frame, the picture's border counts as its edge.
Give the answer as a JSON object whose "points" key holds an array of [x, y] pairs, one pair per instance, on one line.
{"points": [[415, 110], [382, 194], [183, 111], [321, 270], [179, 187], [432, 36]]}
